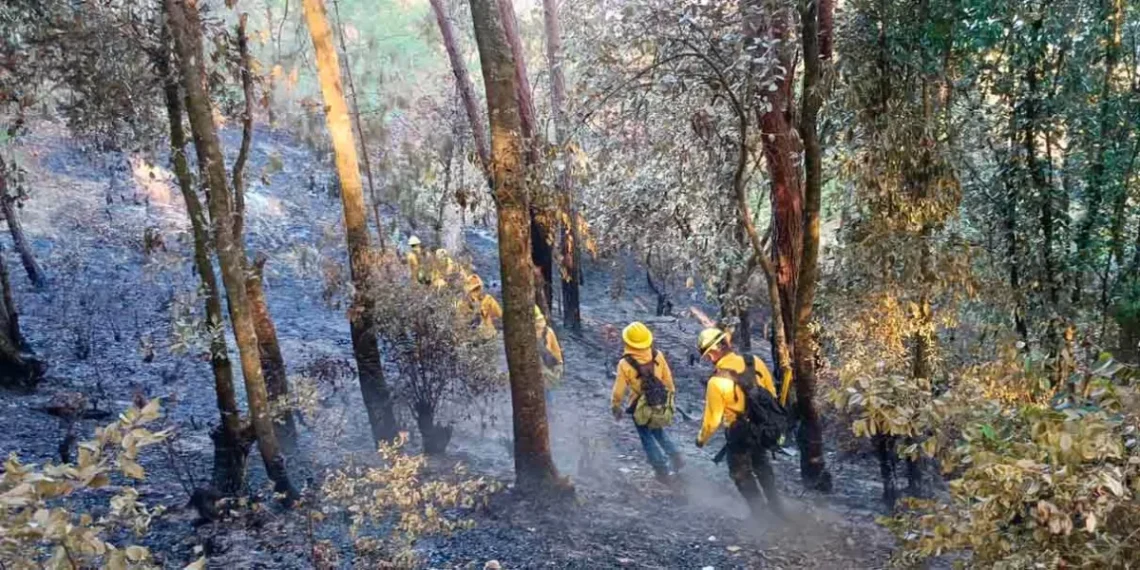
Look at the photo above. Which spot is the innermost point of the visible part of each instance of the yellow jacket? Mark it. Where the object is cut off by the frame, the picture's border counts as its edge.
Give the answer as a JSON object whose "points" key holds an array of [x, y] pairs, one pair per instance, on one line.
{"points": [[627, 375], [723, 400], [413, 262], [546, 337]]}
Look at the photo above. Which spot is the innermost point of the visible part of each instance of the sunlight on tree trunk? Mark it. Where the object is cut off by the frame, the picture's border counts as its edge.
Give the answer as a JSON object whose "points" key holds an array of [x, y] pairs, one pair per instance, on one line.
{"points": [[466, 88], [231, 440], [186, 28], [377, 397], [534, 466]]}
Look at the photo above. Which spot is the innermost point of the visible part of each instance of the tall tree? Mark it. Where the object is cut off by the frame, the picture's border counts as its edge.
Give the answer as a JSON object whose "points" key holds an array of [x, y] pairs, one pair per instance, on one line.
{"points": [[8, 206], [186, 28], [466, 88], [272, 361], [377, 396], [571, 250], [231, 439], [541, 222], [815, 36], [534, 466], [783, 146]]}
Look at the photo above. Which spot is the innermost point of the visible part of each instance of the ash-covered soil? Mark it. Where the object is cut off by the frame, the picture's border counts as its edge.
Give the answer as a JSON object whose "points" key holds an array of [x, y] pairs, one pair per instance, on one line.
{"points": [[107, 325]]}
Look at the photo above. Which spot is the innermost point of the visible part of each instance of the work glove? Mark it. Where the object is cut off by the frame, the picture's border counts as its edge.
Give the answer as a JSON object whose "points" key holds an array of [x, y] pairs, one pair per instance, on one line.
{"points": [[700, 443], [617, 413]]}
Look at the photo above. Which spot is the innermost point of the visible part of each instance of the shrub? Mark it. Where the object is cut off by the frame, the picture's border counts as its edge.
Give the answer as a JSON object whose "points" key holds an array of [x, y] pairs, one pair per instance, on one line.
{"points": [[39, 526], [1039, 485], [397, 496], [426, 331]]}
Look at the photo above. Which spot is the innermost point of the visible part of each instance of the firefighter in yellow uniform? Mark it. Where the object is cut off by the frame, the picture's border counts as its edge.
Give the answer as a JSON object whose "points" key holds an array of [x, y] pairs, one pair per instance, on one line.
{"points": [[443, 267], [485, 310], [550, 353], [416, 260], [638, 360], [725, 404]]}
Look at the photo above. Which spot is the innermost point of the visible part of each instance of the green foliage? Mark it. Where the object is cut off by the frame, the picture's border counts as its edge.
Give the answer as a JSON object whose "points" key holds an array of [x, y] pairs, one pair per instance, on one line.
{"points": [[1038, 484], [40, 526]]}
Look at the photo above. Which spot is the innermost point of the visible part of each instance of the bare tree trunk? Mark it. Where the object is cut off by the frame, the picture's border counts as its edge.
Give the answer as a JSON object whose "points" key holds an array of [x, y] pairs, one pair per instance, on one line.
{"points": [[18, 368], [812, 467], [542, 242], [272, 362], [7, 204], [571, 257], [269, 349], [534, 466], [231, 439], [377, 397], [246, 131], [186, 28], [360, 130], [466, 88]]}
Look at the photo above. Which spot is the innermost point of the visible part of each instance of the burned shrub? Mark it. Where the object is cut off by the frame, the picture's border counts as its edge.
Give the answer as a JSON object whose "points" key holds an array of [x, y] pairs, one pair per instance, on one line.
{"points": [[440, 357]]}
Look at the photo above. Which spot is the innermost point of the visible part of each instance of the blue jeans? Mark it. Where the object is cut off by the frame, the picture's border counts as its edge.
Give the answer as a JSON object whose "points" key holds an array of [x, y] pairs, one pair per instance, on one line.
{"points": [[658, 447]]}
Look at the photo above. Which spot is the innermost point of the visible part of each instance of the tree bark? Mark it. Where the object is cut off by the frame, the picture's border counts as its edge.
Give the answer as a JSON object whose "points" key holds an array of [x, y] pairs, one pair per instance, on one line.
{"points": [[27, 258], [360, 130], [571, 309], [813, 470], [186, 28], [272, 362], [542, 242], [246, 130], [231, 444], [534, 466], [466, 88], [18, 368], [377, 397]]}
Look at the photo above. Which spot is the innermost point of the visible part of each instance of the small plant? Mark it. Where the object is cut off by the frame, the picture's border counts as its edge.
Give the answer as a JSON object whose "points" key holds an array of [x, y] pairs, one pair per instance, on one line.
{"points": [[397, 495], [39, 526]]}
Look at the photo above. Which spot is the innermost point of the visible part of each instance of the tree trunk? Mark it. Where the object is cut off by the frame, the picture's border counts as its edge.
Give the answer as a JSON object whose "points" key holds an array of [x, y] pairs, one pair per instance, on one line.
{"points": [[888, 466], [466, 89], [19, 368], [31, 266], [813, 470], [360, 130], [377, 397], [272, 362], [534, 466], [571, 310], [542, 242], [246, 131], [186, 28], [231, 445], [1114, 15]]}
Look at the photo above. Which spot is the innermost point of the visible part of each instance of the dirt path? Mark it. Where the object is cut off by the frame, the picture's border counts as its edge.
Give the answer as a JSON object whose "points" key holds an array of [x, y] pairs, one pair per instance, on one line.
{"points": [[115, 299]]}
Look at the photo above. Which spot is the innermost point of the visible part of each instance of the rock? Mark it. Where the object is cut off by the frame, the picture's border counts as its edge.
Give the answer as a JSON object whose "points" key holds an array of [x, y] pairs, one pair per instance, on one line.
{"points": [[709, 568], [732, 548], [712, 539], [492, 565], [625, 561]]}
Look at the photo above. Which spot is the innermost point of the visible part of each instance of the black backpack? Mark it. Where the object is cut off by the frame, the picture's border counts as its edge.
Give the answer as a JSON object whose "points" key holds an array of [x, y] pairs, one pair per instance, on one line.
{"points": [[764, 420]]}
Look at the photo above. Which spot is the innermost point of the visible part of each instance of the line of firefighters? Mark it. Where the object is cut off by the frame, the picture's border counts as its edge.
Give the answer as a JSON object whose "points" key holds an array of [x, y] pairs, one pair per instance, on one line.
{"points": [[739, 392]]}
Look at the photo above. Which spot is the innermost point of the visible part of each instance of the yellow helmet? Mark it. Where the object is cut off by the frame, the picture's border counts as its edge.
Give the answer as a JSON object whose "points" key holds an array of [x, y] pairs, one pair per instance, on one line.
{"points": [[413, 241], [441, 253], [709, 339], [474, 283], [637, 335]]}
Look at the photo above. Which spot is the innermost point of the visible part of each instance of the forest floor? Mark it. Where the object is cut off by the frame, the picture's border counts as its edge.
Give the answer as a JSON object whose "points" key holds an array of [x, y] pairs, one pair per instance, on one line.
{"points": [[105, 325]]}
